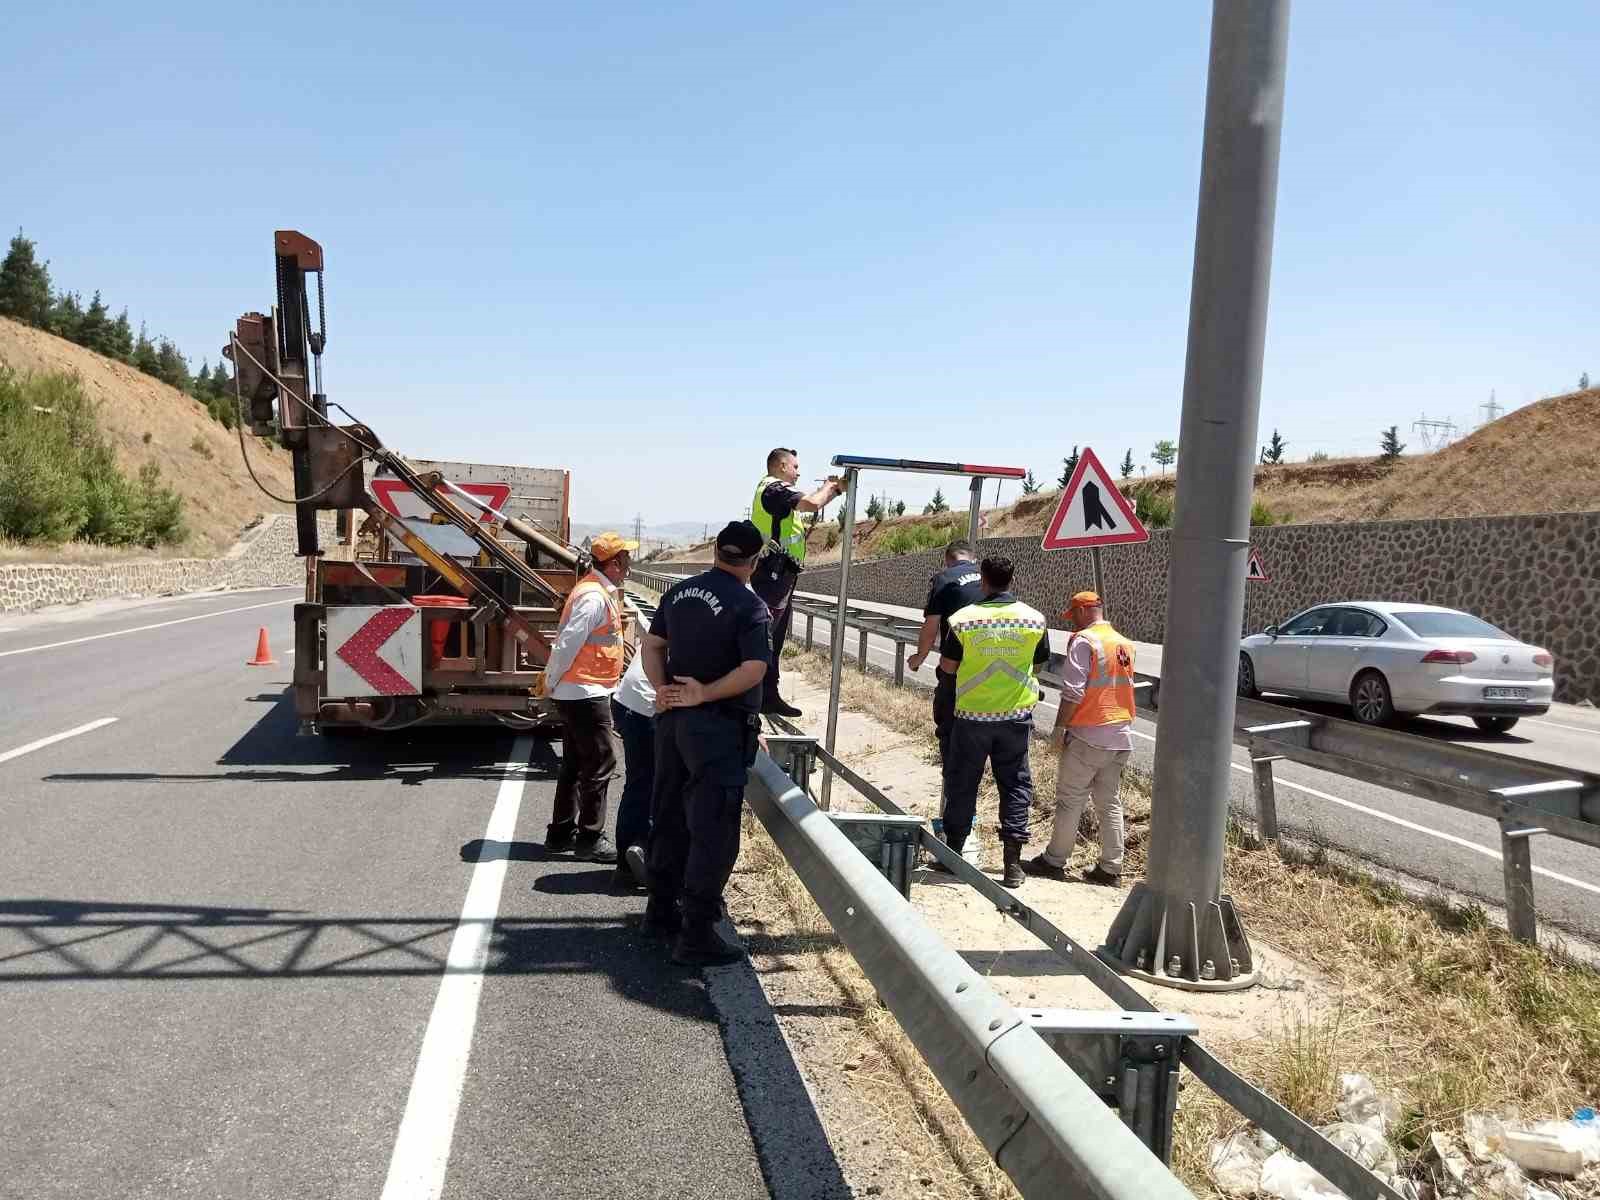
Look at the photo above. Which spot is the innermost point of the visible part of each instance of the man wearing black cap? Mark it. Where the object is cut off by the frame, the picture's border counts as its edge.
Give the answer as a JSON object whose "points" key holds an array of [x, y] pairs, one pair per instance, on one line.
{"points": [[706, 655]]}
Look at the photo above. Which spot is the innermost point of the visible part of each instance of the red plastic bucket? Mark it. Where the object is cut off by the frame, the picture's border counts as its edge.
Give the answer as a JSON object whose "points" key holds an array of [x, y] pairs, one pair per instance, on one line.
{"points": [[438, 631]]}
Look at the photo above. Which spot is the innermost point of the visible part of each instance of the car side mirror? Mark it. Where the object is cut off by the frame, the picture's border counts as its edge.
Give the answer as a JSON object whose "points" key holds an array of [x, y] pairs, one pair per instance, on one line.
{"points": [[1271, 631]]}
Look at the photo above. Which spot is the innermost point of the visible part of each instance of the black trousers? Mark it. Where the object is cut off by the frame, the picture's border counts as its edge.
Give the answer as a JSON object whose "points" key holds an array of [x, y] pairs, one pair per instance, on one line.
{"points": [[944, 711], [702, 757], [1004, 746], [588, 762], [776, 590]]}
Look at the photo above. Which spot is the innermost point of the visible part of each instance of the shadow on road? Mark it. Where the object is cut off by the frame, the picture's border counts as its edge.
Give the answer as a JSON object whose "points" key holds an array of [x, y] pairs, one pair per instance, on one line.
{"points": [[274, 751], [1423, 726]]}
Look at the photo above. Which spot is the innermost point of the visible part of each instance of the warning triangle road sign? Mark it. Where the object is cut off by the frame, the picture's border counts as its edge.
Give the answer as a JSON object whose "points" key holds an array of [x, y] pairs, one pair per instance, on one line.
{"points": [[1092, 512], [1256, 571]]}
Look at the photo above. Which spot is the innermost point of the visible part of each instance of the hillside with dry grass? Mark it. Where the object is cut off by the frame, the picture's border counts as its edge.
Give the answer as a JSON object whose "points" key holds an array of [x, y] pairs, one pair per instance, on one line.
{"points": [[1541, 458], [146, 421]]}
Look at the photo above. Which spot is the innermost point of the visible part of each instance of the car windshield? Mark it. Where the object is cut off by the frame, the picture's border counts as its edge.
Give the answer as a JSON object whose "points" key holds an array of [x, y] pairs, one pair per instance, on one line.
{"points": [[1451, 625]]}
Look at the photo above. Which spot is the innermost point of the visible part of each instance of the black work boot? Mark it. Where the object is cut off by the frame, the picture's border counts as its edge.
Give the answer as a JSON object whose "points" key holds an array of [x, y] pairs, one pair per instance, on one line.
{"points": [[1044, 870], [1011, 874], [596, 847], [661, 918], [781, 707], [703, 944], [938, 863], [558, 839]]}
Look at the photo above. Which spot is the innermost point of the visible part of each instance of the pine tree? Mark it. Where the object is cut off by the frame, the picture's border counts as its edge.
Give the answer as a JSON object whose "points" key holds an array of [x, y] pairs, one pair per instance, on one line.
{"points": [[1583, 382], [1030, 485], [1391, 444], [171, 367], [144, 354], [1069, 464], [1127, 464], [874, 509], [24, 285], [121, 338], [95, 328], [1164, 453], [938, 504], [66, 317], [1272, 452], [899, 508]]}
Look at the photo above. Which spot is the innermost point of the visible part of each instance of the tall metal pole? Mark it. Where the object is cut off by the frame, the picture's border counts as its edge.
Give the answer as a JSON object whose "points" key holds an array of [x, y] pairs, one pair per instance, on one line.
{"points": [[975, 509], [846, 536], [1177, 927]]}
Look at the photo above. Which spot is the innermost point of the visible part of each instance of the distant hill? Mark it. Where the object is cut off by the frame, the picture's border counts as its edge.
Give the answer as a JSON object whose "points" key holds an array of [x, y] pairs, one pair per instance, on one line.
{"points": [[1544, 457], [145, 420]]}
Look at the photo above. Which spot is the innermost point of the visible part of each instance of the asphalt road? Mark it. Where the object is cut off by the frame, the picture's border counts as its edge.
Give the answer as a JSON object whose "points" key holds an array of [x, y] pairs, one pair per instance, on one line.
{"points": [[223, 947], [1402, 833]]}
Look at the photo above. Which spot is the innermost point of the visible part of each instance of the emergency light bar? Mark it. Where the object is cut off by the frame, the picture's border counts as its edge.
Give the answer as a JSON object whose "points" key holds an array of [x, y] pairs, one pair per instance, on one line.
{"points": [[862, 461]]}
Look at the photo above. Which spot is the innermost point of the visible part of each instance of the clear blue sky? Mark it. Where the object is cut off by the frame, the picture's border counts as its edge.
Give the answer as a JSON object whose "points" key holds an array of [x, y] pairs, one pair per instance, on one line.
{"points": [[648, 241]]}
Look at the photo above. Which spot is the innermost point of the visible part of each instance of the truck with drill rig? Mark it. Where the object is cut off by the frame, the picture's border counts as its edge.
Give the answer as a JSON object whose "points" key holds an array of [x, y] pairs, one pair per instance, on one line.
{"points": [[436, 603]]}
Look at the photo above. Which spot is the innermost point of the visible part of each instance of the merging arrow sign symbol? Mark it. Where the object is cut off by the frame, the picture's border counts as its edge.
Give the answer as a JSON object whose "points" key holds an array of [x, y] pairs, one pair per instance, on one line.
{"points": [[370, 659]]}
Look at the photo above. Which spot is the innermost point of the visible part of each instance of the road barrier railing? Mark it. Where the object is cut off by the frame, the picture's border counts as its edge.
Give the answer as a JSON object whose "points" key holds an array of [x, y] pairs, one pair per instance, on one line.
{"points": [[1043, 1125], [1525, 797], [1133, 1069]]}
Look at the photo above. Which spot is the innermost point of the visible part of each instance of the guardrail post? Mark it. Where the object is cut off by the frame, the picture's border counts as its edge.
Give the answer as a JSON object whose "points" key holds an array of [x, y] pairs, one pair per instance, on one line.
{"points": [[1266, 795], [861, 652], [811, 623], [1516, 854], [899, 664]]}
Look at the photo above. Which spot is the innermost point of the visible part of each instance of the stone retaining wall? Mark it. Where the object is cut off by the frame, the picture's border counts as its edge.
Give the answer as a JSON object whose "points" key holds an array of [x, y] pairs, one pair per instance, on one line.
{"points": [[263, 557], [1537, 577]]}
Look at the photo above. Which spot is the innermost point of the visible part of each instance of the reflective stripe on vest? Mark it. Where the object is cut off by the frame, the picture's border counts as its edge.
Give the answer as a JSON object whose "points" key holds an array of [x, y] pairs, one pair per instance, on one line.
{"points": [[788, 534], [1108, 694], [994, 680], [599, 659]]}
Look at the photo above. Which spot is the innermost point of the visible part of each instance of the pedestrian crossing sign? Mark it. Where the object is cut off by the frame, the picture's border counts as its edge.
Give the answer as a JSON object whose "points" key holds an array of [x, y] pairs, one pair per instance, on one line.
{"points": [[1256, 572], [1092, 512]]}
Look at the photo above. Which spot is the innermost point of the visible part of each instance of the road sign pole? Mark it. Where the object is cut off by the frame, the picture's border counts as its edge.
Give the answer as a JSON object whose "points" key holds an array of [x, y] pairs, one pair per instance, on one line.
{"points": [[975, 510], [1176, 927], [1099, 578], [847, 533]]}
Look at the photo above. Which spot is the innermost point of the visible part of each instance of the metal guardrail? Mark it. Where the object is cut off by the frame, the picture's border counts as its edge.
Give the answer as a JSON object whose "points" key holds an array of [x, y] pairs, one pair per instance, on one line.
{"points": [[1043, 1125], [1527, 798], [1338, 1167]]}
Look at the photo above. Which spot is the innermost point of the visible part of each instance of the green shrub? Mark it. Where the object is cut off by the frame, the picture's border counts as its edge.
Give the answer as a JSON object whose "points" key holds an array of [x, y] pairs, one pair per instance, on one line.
{"points": [[1260, 514], [59, 480], [1153, 508], [199, 447], [913, 539]]}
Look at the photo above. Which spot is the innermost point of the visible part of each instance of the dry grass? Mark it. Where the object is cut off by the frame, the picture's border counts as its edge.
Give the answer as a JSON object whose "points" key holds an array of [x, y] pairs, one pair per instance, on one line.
{"points": [[144, 420], [1440, 1007]]}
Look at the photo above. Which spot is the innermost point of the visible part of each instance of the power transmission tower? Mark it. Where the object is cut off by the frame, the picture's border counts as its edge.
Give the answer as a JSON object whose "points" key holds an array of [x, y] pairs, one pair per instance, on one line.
{"points": [[638, 526], [1435, 434], [1492, 409]]}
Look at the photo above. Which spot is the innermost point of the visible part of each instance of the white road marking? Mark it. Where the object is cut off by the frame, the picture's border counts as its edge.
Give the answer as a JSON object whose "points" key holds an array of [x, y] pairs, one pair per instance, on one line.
{"points": [[95, 637], [422, 1145], [1558, 725], [8, 755]]}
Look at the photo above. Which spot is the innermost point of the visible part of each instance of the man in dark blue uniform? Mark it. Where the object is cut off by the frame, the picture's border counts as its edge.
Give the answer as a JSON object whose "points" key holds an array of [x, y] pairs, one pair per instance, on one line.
{"points": [[951, 590], [706, 655]]}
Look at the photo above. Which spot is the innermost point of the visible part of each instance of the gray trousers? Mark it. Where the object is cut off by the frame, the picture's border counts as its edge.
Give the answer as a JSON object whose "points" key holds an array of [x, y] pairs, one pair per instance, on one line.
{"points": [[1085, 772]]}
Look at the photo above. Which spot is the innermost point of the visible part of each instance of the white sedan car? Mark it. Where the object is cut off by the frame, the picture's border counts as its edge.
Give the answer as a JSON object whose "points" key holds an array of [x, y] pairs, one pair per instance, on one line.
{"points": [[1384, 659]]}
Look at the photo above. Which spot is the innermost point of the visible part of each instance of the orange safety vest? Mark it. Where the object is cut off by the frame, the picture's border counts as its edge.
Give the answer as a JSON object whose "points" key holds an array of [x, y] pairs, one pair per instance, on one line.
{"points": [[599, 659], [1108, 694]]}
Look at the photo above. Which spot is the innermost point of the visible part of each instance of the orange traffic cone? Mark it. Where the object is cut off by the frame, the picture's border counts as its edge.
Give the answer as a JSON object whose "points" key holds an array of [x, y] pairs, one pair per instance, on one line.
{"points": [[263, 656]]}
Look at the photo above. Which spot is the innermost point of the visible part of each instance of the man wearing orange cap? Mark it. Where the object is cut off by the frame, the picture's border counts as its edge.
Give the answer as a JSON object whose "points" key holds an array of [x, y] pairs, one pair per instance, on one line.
{"points": [[1092, 732], [585, 665]]}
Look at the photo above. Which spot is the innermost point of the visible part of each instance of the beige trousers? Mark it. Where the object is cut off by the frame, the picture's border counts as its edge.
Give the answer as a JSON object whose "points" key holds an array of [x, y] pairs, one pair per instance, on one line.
{"points": [[1086, 772]]}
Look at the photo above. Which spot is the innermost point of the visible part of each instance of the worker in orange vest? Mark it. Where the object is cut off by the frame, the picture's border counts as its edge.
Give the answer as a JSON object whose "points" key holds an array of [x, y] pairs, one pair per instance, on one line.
{"points": [[1093, 734], [585, 666]]}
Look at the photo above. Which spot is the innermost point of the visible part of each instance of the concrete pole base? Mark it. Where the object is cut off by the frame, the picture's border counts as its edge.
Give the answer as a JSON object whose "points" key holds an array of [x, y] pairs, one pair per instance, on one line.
{"points": [[1200, 948]]}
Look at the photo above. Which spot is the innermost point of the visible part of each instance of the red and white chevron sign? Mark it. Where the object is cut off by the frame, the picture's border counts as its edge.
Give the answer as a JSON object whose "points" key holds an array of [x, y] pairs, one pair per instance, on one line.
{"points": [[375, 651]]}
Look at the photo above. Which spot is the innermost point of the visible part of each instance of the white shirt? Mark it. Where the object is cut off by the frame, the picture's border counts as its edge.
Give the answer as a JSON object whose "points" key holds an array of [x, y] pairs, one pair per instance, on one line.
{"points": [[634, 693], [589, 612]]}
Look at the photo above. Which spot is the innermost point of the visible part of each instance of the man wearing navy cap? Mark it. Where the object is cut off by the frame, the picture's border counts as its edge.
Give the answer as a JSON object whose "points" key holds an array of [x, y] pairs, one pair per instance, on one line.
{"points": [[706, 655]]}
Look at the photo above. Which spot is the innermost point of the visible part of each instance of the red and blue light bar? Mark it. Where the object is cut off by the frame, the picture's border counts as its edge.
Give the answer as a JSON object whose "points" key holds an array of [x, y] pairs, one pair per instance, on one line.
{"points": [[925, 467]]}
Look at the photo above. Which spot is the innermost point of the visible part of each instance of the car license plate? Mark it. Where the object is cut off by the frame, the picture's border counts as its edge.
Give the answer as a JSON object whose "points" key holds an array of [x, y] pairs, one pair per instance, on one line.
{"points": [[1505, 693]]}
